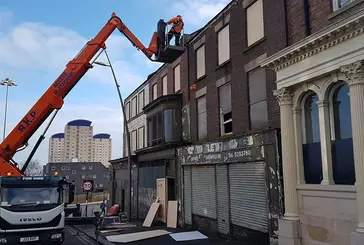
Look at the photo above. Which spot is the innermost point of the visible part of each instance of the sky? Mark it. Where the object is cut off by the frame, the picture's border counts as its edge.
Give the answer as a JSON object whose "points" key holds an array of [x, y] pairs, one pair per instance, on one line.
{"points": [[38, 38]]}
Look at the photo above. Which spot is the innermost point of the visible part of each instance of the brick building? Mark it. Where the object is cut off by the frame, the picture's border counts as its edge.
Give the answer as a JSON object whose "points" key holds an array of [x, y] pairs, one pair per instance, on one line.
{"points": [[320, 89], [234, 154]]}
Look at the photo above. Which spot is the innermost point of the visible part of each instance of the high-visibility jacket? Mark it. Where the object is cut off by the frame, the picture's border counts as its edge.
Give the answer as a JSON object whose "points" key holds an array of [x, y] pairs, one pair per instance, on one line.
{"points": [[177, 24]]}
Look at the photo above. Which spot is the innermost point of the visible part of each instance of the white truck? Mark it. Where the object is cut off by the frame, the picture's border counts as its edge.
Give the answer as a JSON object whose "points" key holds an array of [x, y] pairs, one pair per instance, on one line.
{"points": [[32, 209]]}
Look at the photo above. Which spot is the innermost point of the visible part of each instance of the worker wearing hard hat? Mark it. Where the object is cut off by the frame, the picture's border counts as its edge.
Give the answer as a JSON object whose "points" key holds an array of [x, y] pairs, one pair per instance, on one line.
{"points": [[176, 29]]}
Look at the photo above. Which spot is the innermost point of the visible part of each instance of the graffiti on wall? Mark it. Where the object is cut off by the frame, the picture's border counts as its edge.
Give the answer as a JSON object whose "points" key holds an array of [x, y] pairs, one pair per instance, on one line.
{"points": [[186, 134]]}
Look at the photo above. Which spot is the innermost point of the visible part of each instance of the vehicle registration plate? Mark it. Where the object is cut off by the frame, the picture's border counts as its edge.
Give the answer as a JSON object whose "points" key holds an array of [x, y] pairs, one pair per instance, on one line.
{"points": [[29, 239]]}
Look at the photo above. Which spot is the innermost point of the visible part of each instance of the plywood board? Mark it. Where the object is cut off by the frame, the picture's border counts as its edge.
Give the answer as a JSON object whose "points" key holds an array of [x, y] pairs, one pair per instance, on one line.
{"points": [[187, 236], [111, 230], [137, 236], [151, 214], [172, 214], [162, 193]]}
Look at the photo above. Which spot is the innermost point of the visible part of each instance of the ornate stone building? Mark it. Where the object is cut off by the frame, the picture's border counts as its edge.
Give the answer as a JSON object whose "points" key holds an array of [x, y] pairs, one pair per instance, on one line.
{"points": [[320, 90]]}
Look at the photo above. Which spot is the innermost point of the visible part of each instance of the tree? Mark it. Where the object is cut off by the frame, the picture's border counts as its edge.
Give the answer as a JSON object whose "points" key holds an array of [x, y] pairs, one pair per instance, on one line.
{"points": [[34, 168]]}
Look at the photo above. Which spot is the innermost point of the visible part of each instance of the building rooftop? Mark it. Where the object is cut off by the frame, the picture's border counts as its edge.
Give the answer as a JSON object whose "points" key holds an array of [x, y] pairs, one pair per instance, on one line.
{"points": [[58, 136], [79, 122], [102, 136]]}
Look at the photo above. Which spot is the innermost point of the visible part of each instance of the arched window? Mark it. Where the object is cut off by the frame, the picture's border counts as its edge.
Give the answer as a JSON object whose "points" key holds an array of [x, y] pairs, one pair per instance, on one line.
{"points": [[341, 134], [311, 139]]}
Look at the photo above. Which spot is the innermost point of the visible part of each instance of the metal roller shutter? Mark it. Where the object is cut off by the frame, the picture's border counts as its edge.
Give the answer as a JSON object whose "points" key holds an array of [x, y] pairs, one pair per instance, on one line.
{"points": [[187, 194], [248, 196], [204, 191], [222, 186]]}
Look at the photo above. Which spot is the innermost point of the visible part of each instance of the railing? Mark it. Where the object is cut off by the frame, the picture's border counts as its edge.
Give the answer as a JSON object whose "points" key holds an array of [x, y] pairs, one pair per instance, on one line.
{"points": [[181, 39]]}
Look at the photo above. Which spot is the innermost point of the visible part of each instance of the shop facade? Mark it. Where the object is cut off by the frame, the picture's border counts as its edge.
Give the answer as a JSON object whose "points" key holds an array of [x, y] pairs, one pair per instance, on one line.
{"points": [[233, 187]]}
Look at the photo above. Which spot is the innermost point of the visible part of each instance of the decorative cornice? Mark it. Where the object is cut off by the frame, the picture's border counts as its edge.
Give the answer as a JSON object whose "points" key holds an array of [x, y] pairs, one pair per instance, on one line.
{"points": [[284, 96], [323, 40], [353, 72]]}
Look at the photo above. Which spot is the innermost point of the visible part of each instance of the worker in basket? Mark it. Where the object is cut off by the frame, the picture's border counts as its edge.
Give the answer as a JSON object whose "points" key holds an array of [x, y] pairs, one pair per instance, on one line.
{"points": [[176, 29]]}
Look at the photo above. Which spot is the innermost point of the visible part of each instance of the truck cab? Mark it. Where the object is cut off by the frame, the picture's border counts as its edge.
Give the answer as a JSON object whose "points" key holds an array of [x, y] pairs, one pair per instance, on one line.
{"points": [[32, 209]]}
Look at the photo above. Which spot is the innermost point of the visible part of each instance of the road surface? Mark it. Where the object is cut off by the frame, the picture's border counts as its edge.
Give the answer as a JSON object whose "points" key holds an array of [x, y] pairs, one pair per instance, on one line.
{"points": [[77, 238]]}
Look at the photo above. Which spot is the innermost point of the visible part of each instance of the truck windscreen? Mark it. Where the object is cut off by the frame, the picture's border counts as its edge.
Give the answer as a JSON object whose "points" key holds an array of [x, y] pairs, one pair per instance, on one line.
{"points": [[30, 196]]}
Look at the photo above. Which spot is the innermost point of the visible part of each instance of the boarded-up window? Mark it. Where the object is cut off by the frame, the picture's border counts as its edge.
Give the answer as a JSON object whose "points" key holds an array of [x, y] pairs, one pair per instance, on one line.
{"points": [[140, 137], [164, 85], [223, 45], [201, 117], [255, 22], [177, 78], [200, 61], [134, 107], [133, 140], [337, 4], [226, 121], [127, 111], [141, 101], [258, 99], [154, 91]]}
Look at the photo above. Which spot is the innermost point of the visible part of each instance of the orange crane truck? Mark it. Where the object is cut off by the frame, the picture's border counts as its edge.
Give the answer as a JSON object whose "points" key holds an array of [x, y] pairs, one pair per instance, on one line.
{"points": [[32, 207]]}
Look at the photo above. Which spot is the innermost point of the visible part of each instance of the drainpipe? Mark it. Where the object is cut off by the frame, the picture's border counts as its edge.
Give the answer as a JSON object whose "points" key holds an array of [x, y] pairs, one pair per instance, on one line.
{"points": [[306, 9]]}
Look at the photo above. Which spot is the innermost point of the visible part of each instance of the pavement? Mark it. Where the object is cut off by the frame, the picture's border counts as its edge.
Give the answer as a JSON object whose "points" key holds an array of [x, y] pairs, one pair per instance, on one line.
{"points": [[89, 231], [73, 237]]}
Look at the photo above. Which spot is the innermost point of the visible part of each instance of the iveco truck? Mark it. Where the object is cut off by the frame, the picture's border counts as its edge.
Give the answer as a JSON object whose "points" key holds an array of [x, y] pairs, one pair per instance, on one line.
{"points": [[32, 209]]}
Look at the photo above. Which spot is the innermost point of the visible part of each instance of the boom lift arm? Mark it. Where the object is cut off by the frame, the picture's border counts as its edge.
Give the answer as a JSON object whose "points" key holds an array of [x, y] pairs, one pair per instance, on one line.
{"points": [[52, 99]]}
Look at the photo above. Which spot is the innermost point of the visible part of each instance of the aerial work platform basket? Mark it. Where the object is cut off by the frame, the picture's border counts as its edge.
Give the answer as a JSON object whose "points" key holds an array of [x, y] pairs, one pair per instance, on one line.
{"points": [[167, 53]]}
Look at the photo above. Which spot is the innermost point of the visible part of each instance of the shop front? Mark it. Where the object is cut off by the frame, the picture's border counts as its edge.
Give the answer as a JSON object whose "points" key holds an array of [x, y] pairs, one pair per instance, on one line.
{"points": [[233, 187]]}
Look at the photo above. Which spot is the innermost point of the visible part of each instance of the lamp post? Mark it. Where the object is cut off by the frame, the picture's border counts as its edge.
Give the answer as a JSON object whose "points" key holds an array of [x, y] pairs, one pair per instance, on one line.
{"points": [[126, 130], [8, 83]]}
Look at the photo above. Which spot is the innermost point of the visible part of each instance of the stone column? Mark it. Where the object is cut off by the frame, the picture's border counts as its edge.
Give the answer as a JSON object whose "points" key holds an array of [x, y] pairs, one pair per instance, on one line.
{"points": [[355, 78], [298, 143], [325, 137], [289, 226]]}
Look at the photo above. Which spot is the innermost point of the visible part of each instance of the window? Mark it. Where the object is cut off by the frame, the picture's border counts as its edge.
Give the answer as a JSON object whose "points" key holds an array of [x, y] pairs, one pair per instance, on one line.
{"points": [[134, 107], [63, 168], [154, 91], [226, 121], [200, 61], [311, 146], [177, 78], [133, 140], [140, 137], [258, 110], [127, 109], [223, 45], [140, 101], [341, 3], [67, 167], [341, 135], [94, 176], [67, 177], [53, 168], [83, 176], [164, 85], [201, 117], [90, 167], [73, 171], [255, 22]]}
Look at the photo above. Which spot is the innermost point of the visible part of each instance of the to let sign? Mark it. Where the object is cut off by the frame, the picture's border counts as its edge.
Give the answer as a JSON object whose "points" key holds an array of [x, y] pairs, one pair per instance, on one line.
{"points": [[250, 154]]}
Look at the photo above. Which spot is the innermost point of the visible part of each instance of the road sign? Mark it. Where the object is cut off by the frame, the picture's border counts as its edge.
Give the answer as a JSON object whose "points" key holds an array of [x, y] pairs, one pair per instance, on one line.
{"points": [[87, 185]]}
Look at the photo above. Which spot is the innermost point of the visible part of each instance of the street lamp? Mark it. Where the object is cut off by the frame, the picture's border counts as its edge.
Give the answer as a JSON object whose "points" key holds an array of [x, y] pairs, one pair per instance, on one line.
{"points": [[8, 83], [126, 129]]}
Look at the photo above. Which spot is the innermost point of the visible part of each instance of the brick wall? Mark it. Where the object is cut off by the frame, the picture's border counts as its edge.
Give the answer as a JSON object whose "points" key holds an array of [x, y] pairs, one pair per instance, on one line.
{"points": [[275, 40], [321, 15], [169, 71]]}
